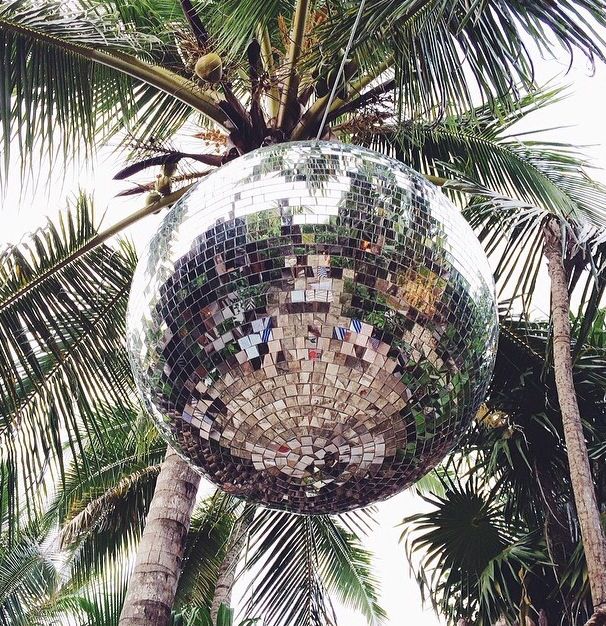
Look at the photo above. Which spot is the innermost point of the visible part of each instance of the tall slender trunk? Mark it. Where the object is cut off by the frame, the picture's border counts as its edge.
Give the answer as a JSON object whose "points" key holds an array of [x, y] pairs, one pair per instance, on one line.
{"points": [[227, 571], [583, 489], [153, 583]]}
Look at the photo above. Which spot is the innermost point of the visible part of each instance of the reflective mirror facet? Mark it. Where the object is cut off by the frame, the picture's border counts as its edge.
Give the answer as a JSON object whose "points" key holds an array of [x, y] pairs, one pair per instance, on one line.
{"points": [[313, 326]]}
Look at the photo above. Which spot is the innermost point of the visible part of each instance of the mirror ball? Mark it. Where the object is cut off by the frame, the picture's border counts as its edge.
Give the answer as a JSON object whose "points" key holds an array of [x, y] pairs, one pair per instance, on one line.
{"points": [[313, 326]]}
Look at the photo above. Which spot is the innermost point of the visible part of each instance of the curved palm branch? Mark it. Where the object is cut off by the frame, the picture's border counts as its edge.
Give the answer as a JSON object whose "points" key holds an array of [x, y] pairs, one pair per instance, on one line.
{"points": [[101, 509], [28, 577], [71, 70], [101, 512], [507, 186], [475, 147]]}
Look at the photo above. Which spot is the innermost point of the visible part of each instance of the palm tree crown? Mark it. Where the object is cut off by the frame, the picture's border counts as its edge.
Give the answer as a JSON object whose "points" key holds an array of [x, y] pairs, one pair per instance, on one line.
{"points": [[440, 86]]}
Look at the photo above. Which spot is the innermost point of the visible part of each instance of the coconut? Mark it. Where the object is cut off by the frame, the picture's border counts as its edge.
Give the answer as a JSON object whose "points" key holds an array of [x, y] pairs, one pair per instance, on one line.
{"points": [[163, 184], [152, 197], [209, 67]]}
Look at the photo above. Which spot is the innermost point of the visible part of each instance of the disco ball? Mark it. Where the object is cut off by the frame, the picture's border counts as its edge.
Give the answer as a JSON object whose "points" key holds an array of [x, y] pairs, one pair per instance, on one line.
{"points": [[313, 326]]}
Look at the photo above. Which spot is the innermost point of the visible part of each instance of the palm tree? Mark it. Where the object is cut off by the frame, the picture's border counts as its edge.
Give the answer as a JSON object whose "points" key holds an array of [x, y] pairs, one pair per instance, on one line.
{"points": [[594, 539], [501, 541], [93, 69]]}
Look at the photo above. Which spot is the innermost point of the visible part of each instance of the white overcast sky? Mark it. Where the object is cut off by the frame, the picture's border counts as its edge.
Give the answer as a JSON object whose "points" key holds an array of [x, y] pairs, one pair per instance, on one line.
{"points": [[582, 113]]}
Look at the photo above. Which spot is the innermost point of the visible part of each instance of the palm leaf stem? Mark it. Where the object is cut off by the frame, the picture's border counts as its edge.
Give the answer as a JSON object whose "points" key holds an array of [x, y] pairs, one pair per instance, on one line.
{"points": [[143, 187], [165, 80], [273, 99], [195, 22], [368, 97], [96, 241], [289, 92]]}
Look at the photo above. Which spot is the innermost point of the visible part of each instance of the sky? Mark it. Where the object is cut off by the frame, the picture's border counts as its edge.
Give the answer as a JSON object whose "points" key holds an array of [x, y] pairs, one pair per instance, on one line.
{"points": [[582, 121]]}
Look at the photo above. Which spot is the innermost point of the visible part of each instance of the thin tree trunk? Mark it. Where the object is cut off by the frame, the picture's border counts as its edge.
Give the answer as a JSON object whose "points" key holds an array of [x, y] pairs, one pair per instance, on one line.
{"points": [[594, 542], [153, 583], [227, 571]]}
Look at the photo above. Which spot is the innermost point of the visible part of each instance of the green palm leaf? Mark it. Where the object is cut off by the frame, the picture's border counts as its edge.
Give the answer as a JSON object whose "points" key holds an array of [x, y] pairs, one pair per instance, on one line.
{"points": [[208, 536], [298, 562], [475, 146], [346, 569], [61, 347], [101, 511], [469, 556], [27, 575], [70, 71], [507, 186], [287, 588], [105, 494], [442, 52], [233, 23]]}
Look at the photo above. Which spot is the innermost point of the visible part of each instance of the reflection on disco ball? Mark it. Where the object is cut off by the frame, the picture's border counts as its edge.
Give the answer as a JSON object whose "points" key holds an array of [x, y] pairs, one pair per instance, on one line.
{"points": [[313, 326]]}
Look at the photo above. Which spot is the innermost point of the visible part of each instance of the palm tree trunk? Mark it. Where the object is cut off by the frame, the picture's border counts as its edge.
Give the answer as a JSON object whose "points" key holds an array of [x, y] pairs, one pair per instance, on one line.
{"points": [[227, 571], [153, 583], [583, 490]]}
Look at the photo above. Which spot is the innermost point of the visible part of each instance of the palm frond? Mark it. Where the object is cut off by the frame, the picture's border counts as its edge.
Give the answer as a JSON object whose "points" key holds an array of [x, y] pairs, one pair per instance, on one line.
{"points": [[507, 186], [233, 23], [286, 589], [211, 525], [70, 75], [346, 568], [474, 146], [106, 491], [102, 512], [445, 52], [298, 562], [28, 576], [469, 555], [61, 347]]}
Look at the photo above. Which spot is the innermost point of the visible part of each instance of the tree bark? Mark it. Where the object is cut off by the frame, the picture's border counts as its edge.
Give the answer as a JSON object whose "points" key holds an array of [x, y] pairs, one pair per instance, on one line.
{"points": [[592, 534], [598, 618], [153, 583], [227, 571]]}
